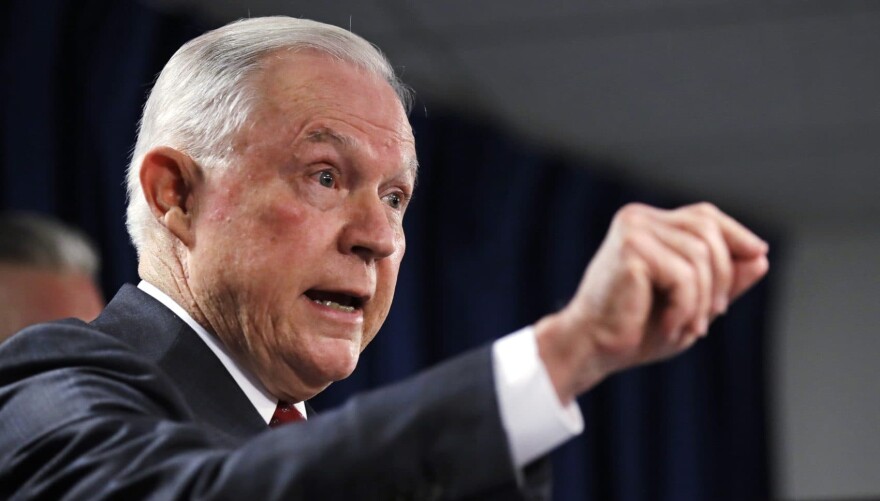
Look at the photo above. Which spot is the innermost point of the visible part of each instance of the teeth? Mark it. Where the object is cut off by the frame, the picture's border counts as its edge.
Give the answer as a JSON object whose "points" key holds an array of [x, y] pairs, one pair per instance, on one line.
{"points": [[335, 305]]}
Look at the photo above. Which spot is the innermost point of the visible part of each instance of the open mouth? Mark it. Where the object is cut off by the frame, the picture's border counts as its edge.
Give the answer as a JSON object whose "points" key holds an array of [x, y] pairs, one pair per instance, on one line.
{"points": [[336, 300]]}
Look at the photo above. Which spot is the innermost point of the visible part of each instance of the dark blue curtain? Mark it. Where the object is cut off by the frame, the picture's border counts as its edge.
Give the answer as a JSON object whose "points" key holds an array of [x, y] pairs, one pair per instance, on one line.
{"points": [[75, 74], [498, 235]]}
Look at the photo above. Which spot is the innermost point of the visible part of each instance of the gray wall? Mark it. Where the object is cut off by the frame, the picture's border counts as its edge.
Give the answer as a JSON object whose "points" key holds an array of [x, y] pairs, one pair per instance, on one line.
{"points": [[826, 369]]}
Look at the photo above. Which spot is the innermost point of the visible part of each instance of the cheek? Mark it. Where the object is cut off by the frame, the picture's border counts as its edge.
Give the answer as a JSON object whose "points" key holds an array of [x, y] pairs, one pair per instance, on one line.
{"points": [[219, 202], [281, 216], [385, 294], [293, 233]]}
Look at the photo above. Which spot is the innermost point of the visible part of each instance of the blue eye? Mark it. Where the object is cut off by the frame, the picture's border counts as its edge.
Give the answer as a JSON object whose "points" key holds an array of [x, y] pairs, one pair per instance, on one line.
{"points": [[326, 179], [394, 200]]}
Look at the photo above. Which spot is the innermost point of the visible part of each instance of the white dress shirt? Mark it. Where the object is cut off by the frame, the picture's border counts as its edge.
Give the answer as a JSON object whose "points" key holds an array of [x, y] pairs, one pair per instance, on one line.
{"points": [[532, 416]]}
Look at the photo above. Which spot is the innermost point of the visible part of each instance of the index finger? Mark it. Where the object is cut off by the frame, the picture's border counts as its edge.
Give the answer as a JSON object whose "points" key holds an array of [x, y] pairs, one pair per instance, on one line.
{"points": [[742, 242]]}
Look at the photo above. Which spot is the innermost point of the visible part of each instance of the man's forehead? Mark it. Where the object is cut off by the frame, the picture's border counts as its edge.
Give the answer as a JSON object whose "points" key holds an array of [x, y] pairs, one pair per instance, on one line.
{"points": [[325, 100]]}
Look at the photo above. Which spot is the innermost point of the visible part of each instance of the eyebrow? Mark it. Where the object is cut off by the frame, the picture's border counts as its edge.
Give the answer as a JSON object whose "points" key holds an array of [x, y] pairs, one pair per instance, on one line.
{"points": [[328, 135]]}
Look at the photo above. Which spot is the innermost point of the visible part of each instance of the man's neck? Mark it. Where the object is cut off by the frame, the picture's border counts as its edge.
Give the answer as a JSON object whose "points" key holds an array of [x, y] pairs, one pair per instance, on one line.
{"points": [[264, 402], [168, 276]]}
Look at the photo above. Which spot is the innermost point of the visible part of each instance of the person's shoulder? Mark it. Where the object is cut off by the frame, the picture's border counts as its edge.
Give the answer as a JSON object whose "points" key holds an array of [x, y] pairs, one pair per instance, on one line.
{"points": [[68, 346], [64, 380], [59, 339]]}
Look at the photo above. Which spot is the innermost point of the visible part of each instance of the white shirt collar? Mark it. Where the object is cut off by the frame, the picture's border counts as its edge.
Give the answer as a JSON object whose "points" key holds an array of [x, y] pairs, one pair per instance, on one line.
{"points": [[261, 399]]}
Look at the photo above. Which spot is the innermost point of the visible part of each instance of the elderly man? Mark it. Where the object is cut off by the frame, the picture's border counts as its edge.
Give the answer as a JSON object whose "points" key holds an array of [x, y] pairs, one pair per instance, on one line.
{"points": [[268, 187], [47, 272]]}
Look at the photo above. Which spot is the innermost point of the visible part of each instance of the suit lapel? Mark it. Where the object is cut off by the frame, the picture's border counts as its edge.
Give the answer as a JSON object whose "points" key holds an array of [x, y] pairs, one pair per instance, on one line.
{"points": [[214, 396], [154, 331]]}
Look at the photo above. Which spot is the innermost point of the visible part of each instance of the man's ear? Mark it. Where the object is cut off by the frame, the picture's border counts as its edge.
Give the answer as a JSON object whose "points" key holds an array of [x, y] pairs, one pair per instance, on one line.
{"points": [[169, 179]]}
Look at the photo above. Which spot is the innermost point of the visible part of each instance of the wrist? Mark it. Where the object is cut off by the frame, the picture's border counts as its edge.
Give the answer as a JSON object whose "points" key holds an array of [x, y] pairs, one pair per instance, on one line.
{"points": [[566, 349]]}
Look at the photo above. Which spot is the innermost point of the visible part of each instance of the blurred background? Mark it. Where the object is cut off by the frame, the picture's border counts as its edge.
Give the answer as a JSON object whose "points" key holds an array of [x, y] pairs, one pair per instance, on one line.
{"points": [[534, 122]]}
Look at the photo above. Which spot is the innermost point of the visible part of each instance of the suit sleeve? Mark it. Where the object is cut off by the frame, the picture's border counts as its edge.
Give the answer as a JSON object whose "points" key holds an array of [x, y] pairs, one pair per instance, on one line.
{"points": [[84, 417]]}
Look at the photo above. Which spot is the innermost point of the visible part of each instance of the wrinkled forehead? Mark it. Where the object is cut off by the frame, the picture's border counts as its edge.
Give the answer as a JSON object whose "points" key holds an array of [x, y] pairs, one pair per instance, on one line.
{"points": [[302, 82], [309, 94]]}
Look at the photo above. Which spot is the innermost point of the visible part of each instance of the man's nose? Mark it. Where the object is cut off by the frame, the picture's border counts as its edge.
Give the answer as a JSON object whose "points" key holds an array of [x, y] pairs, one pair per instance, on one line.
{"points": [[370, 231]]}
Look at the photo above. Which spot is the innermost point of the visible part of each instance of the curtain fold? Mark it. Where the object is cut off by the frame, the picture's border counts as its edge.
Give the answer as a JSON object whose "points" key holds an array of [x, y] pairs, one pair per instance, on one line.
{"points": [[498, 234]]}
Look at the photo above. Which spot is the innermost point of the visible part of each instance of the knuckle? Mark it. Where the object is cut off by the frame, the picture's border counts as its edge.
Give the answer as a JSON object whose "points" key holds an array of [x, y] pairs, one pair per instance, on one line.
{"points": [[632, 266], [687, 274], [700, 250], [707, 227], [631, 214], [632, 240], [707, 208]]}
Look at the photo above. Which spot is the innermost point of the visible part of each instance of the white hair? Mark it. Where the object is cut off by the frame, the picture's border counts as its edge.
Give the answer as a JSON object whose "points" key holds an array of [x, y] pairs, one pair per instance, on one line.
{"points": [[204, 96]]}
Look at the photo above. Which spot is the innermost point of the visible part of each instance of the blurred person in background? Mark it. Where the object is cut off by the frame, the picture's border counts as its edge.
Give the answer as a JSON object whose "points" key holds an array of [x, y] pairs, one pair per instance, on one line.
{"points": [[47, 272]]}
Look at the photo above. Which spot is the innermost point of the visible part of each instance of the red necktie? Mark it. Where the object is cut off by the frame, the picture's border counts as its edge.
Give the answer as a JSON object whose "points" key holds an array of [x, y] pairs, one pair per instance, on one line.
{"points": [[285, 413]]}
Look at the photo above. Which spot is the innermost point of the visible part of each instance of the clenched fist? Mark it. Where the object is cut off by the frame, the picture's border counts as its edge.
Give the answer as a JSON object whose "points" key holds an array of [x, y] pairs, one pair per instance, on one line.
{"points": [[659, 278]]}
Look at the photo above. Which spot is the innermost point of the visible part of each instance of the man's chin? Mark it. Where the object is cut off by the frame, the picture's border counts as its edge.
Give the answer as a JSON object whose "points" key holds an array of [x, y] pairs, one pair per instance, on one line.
{"points": [[308, 377], [339, 363]]}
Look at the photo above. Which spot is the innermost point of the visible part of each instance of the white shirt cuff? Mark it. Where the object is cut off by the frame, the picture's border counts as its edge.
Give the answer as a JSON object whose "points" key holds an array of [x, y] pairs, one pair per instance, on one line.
{"points": [[531, 414]]}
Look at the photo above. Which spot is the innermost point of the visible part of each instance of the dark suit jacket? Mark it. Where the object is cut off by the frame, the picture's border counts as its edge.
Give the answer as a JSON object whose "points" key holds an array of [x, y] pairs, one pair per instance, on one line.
{"points": [[135, 405]]}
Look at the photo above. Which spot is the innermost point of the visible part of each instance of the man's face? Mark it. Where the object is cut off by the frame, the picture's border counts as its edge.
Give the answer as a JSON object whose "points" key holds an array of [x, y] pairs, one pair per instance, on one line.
{"points": [[30, 295], [298, 242]]}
